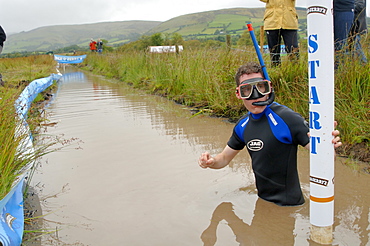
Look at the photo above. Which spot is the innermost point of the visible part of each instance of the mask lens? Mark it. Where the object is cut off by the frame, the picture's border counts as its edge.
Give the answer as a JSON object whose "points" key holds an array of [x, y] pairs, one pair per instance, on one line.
{"points": [[263, 87], [246, 90]]}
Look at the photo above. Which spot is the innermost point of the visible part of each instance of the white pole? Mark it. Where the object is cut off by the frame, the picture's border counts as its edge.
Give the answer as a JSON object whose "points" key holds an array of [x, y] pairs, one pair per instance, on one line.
{"points": [[321, 88]]}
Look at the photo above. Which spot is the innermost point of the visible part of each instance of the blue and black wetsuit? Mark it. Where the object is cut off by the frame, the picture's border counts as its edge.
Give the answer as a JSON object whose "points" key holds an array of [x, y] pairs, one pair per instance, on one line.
{"points": [[272, 139]]}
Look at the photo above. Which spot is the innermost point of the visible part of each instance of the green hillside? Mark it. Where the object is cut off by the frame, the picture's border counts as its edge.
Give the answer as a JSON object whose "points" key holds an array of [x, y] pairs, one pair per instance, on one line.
{"points": [[206, 23], [197, 25], [224, 21], [54, 37]]}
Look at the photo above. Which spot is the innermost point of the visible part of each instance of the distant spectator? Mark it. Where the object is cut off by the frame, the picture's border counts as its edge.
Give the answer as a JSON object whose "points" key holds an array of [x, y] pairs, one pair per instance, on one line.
{"points": [[2, 38], [343, 19], [358, 28], [281, 20], [93, 45], [100, 46]]}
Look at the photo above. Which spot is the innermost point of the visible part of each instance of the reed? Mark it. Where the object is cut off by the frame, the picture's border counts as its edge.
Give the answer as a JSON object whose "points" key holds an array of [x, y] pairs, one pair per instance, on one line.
{"points": [[204, 78], [9, 144], [29, 68], [353, 100]]}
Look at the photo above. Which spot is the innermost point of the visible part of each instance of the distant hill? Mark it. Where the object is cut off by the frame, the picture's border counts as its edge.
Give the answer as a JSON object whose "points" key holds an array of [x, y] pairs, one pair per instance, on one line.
{"points": [[203, 24], [54, 37], [231, 21]]}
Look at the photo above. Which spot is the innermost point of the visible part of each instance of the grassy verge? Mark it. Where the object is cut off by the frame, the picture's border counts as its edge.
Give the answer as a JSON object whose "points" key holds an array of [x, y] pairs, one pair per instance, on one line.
{"points": [[16, 74], [203, 78]]}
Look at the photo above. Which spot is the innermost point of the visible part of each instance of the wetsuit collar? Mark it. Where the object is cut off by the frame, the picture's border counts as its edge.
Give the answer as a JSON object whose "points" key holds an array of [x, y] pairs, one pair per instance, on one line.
{"points": [[258, 116]]}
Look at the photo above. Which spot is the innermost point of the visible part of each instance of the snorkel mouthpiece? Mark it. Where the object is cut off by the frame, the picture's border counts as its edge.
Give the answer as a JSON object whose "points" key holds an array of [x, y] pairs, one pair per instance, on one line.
{"points": [[268, 101]]}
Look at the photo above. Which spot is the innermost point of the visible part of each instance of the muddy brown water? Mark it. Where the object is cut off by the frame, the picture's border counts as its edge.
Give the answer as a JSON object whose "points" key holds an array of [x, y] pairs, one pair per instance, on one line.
{"points": [[133, 178]]}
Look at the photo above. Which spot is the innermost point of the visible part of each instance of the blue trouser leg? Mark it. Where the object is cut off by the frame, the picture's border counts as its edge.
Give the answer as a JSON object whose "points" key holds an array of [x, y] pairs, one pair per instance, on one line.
{"points": [[358, 49], [342, 25]]}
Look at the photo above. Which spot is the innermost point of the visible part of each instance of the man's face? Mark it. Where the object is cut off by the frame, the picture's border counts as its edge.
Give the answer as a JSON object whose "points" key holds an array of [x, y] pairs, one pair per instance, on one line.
{"points": [[248, 103]]}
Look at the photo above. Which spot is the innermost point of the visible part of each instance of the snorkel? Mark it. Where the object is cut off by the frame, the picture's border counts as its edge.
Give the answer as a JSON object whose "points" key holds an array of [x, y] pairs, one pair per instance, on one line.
{"points": [[260, 58]]}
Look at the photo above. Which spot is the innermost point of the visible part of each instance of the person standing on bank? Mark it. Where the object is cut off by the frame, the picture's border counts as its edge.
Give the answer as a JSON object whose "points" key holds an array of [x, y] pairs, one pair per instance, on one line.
{"points": [[343, 11], [281, 20], [359, 27], [99, 46], [92, 45], [271, 132]]}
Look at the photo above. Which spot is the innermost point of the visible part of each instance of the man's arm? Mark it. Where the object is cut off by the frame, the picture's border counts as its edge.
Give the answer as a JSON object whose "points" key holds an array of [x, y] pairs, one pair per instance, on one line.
{"points": [[219, 161]]}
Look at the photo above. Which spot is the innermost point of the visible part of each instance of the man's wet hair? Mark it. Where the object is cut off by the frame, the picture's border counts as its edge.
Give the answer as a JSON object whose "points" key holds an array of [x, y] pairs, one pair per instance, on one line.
{"points": [[248, 68]]}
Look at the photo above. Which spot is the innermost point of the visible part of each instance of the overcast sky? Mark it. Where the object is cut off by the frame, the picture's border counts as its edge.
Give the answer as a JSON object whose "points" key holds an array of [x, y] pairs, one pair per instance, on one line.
{"points": [[25, 15]]}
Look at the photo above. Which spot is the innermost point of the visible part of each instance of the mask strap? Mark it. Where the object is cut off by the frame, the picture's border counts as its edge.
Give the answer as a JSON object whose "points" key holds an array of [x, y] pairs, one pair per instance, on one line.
{"points": [[247, 81]]}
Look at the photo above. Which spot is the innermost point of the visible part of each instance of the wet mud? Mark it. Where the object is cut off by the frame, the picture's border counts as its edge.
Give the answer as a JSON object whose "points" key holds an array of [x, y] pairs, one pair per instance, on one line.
{"points": [[133, 178]]}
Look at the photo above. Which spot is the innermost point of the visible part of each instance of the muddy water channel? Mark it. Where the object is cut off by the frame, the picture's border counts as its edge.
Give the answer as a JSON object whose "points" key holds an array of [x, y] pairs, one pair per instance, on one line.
{"points": [[133, 178]]}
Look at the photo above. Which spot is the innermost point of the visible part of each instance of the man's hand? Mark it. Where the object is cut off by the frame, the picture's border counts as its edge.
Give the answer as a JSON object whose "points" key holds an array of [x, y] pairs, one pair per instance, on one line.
{"points": [[205, 160], [336, 140]]}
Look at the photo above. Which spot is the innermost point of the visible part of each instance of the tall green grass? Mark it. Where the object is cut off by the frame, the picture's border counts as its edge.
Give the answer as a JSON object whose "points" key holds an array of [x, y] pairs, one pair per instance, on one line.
{"points": [[14, 156], [204, 78], [29, 68], [353, 100], [9, 144]]}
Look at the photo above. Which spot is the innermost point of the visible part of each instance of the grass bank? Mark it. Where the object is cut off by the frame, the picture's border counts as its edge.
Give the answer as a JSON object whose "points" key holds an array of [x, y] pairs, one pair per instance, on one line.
{"points": [[204, 78], [16, 74]]}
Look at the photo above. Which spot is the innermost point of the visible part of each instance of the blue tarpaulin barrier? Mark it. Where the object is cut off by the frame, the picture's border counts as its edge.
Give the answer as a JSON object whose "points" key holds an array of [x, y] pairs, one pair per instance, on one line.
{"points": [[12, 217], [73, 77], [11, 206], [23, 103], [69, 59]]}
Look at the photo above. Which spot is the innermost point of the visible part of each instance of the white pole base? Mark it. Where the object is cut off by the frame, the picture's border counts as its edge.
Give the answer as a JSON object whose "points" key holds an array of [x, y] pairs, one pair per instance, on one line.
{"points": [[322, 235]]}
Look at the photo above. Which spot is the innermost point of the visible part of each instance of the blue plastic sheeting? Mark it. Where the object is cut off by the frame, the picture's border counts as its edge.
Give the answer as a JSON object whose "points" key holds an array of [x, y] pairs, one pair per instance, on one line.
{"points": [[12, 217], [73, 77], [69, 59], [11, 206], [23, 103]]}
